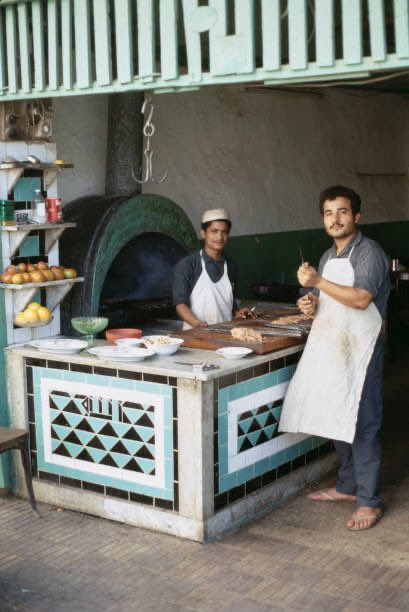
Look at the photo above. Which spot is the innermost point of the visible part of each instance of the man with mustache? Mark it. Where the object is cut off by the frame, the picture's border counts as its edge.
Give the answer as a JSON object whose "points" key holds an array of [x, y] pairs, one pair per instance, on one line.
{"points": [[336, 391]]}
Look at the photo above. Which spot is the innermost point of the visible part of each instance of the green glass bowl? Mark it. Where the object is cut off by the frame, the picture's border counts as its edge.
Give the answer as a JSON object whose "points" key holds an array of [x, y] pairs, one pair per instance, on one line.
{"points": [[89, 326]]}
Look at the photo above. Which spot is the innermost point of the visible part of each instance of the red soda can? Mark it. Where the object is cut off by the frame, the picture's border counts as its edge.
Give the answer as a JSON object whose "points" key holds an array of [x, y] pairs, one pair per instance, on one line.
{"points": [[54, 209]]}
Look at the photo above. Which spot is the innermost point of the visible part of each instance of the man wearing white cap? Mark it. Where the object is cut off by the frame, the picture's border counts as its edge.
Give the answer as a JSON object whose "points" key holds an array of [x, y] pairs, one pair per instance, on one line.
{"points": [[204, 282]]}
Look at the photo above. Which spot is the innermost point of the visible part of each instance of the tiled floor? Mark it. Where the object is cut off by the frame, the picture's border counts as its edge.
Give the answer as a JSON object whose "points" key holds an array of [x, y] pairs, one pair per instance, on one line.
{"points": [[298, 557]]}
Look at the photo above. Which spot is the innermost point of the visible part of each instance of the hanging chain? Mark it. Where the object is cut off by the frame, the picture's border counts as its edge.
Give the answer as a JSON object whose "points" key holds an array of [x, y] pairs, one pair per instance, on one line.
{"points": [[148, 131]]}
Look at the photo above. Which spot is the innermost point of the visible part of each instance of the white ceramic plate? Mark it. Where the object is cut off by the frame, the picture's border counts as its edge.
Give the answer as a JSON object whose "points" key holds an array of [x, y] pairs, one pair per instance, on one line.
{"points": [[233, 352], [129, 342], [62, 346], [162, 345], [120, 353]]}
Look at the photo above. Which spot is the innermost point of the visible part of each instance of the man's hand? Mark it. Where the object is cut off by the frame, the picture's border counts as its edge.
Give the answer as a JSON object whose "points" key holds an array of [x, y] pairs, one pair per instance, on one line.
{"points": [[198, 323], [308, 304], [308, 276], [187, 315], [245, 313]]}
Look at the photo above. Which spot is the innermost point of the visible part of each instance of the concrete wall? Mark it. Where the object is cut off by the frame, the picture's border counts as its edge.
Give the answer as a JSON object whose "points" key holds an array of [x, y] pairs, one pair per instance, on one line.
{"points": [[263, 155], [80, 133]]}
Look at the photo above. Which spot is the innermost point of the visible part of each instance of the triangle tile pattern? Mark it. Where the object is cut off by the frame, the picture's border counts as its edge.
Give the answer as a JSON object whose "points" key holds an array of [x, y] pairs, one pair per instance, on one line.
{"points": [[258, 426], [78, 432]]}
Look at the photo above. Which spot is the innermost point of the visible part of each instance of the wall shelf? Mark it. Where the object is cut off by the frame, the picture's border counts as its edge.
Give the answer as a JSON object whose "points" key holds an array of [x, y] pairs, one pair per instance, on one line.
{"points": [[56, 291], [18, 233], [15, 169]]}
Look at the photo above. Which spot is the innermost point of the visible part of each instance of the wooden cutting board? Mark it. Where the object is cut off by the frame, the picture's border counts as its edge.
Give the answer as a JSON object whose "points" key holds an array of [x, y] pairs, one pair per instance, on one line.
{"points": [[200, 339]]}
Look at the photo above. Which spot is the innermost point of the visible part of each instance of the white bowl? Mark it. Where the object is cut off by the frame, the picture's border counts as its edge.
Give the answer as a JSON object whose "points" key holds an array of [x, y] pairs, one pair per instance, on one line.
{"points": [[121, 353], [129, 342], [234, 352], [162, 345]]}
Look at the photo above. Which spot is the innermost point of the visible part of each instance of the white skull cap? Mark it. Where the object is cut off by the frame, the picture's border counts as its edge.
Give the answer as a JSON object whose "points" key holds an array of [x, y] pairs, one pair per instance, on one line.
{"points": [[215, 214]]}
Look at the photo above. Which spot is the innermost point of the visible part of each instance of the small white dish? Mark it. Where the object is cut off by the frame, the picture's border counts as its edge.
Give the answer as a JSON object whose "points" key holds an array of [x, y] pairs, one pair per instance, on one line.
{"points": [[120, 353], [162, 345], [61, 346], [233, 352], [129, 342]]}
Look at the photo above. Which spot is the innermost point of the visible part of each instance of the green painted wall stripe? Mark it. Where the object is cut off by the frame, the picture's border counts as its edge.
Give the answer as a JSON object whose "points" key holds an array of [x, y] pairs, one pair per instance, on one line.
{"points": [[275, 257]]}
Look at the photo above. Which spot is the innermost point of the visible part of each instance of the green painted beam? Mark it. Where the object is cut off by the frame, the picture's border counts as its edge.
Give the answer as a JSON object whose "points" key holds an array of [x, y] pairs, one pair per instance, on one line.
{"points": [[78, 47]]}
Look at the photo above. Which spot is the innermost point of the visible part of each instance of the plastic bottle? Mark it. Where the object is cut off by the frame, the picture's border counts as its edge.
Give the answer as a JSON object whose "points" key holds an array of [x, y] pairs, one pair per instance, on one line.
{"points": [[39, 208]]}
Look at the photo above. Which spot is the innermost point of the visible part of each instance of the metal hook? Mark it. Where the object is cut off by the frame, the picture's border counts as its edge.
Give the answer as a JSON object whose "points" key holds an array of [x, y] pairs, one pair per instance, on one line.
{"points": [[148, 131]]}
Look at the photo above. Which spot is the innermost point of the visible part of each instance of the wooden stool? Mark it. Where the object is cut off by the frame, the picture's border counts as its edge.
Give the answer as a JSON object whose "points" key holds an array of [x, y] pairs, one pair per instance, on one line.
{"points": [[17, 439]]}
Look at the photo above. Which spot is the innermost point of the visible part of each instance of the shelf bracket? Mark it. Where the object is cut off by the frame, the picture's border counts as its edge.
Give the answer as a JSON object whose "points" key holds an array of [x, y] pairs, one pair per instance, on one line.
{"points": [[12, 177], [49, 176], [16, 240], [56, 294], [51, 238], [21, 299]]}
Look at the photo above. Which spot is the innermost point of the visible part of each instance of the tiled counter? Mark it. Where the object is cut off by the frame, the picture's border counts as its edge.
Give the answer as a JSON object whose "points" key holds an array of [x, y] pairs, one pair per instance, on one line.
{"points": [[158, 445]]}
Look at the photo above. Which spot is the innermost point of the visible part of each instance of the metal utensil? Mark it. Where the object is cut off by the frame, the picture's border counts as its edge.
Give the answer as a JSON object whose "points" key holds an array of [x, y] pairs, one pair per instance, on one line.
{"points": [[293, 326], [204, 366], [301, 255], [283, 332]]}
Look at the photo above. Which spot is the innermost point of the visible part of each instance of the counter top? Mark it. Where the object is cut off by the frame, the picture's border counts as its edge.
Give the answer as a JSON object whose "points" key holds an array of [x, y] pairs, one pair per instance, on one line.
{"points": [[161, 364]]}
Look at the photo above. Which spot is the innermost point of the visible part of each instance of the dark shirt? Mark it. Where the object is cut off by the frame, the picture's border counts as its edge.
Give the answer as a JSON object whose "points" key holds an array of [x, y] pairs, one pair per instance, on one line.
{"points": [[371, 268], [188, 270]]}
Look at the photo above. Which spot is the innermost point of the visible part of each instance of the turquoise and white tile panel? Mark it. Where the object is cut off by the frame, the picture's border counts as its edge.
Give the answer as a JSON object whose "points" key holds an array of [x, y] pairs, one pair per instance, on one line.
{"points": [[250, 453], [104, 430], [249, 443]]}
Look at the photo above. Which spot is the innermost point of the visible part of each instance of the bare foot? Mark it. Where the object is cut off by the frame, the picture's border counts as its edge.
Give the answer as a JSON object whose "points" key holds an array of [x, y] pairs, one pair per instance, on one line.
{"points": [[332, 494], [364, 518]]}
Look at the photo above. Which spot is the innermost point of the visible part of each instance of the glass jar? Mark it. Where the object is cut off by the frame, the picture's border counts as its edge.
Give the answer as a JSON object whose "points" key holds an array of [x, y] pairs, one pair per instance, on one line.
{"points": [[38, 208]]}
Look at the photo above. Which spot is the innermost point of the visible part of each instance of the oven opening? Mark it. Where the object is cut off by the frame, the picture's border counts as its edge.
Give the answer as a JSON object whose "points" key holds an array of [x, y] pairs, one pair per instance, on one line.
{"points": [[137, 289]]}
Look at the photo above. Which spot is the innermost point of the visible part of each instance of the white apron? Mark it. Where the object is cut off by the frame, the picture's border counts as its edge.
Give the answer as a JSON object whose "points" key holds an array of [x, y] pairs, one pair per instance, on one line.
{"points": [[324, 394], [211, 302]]}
